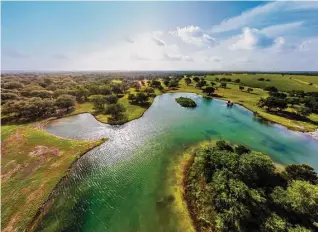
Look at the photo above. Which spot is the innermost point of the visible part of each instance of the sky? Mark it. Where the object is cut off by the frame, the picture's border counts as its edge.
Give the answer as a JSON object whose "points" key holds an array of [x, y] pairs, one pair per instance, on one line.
{"points": [[234, 36]]}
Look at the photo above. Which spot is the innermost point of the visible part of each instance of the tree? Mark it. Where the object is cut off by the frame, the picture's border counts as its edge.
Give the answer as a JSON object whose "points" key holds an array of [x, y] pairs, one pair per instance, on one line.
{"points": [[249, 90], [240, 149], [187, 80], [166, 81], [149, 90], [42, 93], [293, 101], [272, 103], [212, 83], [223, 85], [241, 87], [98, 101], [116, 89], [173, 83], [237, 81], [217, 79], [209, 90], [81, 94], [261, 79], [301, 172], [8, 96], [300, 197], [271, 89], [116, 111], [141, 98], [200, 84], [131, 97], [155, 84], [274, 223], [105, 90], [196, 79], [111, 99], [65, 101], [222, 145], [304, 111], [12, 85], [278, 95]]}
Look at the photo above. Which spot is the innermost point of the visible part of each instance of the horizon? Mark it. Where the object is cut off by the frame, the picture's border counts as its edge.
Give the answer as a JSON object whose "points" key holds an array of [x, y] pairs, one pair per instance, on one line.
{"points": [[148, 36]]}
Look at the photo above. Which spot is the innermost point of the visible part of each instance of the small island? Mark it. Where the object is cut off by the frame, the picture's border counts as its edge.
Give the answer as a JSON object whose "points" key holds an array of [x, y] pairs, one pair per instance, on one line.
{"points": [[186, 102]]}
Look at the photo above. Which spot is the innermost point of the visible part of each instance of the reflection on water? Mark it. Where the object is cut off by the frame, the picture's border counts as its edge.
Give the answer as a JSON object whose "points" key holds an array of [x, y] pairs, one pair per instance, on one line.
{"points": [[120, 185]]}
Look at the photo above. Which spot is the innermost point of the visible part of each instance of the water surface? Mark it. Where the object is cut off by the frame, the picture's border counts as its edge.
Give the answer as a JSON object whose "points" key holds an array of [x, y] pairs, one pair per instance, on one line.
{"points": [[122, 184]]}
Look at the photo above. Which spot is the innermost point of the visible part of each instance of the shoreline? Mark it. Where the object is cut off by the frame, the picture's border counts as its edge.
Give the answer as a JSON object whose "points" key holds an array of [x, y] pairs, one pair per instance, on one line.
{"points": [[46, 203]]}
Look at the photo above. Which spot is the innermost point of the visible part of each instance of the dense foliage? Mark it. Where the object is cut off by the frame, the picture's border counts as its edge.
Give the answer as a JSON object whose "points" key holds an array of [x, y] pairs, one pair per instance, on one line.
{"points": [[231, 188], [186, 102]]}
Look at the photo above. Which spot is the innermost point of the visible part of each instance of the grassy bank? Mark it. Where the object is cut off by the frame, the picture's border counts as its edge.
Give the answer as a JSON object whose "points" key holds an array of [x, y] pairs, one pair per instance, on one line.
{"points": [[33, 162]]}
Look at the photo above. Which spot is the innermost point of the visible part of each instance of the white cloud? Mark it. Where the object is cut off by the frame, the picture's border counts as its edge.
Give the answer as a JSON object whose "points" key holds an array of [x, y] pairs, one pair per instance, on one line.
{"points": [[158, 41], [246, 17], [252, 38], [176, 57], [262, 13], [193, 35], [280, 29]]}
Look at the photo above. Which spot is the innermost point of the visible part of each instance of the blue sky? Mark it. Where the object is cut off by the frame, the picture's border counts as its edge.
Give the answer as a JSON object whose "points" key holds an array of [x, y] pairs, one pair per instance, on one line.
{"points": [[265, 36]]}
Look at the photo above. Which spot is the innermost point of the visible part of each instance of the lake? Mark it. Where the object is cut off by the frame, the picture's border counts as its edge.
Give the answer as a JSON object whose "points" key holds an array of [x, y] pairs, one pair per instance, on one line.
{"points": [[122, 184]]}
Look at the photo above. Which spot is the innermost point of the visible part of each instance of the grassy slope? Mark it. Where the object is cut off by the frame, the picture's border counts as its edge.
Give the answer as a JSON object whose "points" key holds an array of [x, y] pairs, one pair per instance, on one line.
{"points": [[28, 178]]}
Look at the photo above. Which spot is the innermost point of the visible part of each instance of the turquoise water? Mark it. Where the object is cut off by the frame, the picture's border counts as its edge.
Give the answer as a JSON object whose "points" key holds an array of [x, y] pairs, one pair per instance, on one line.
{"points": [[122, 184]]}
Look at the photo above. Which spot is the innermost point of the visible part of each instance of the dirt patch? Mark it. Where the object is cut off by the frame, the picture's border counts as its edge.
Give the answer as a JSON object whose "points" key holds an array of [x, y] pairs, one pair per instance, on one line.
{"points": [[10, 226], [15, 168], [43, 150], [38, 193], [17, 137]]}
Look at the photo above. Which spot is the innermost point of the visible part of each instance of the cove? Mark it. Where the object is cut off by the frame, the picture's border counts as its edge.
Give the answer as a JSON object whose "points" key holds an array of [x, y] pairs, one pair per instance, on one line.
{"points": [[122, 184]]}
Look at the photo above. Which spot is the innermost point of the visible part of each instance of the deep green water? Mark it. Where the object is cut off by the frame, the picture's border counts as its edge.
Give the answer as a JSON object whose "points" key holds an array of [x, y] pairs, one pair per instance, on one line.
{"points": [[121, 185]]}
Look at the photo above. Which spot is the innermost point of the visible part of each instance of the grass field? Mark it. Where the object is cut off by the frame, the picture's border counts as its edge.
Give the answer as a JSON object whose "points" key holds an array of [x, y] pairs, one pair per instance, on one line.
{"points": [[33, 162], [283, 83]]}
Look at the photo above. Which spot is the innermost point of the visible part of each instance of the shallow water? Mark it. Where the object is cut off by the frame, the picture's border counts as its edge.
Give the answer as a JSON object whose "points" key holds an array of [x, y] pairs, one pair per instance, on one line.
{"points": [[120, 185]]}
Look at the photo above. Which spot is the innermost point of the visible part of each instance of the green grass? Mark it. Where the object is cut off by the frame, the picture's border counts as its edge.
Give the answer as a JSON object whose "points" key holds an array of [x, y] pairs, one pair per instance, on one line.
{"points": [[283, 83], [33, 162]]}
